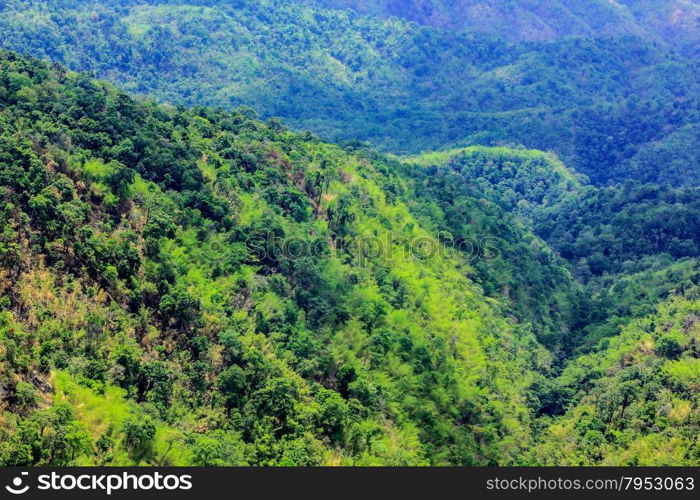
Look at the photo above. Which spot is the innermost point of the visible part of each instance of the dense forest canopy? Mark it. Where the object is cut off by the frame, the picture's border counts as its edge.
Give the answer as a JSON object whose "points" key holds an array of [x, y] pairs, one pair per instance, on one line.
{"points": [[189, 278], [404, 88], [146, 273]]}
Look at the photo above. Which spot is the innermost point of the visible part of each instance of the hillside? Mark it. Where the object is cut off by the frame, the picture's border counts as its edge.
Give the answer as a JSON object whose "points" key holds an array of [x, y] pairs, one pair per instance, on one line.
{"points": [[402, 87], [525, 20], [198, 287], [639, 406], [158, 305], [599, 229], [627, 391]]}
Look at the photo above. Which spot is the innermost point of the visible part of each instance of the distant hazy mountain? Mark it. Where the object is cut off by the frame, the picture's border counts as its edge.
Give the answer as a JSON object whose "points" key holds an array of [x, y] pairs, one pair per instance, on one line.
{"points": [[675, 21]]}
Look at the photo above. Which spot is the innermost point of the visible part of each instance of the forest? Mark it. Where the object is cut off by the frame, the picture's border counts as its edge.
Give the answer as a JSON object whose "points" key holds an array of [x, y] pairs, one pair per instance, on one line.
{"points": [[403, 88], [272, 233]]}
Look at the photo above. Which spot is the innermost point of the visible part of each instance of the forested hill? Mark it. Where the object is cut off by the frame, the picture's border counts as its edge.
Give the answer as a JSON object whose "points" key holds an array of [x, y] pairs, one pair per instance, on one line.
{"points": [[404, 88], [199, 287], [629, 246], [627, 393]]}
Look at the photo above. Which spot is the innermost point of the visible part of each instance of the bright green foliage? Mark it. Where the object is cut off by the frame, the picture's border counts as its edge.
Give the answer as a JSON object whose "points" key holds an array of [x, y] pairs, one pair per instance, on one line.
{"points": [[156, 277], [641, 402]]}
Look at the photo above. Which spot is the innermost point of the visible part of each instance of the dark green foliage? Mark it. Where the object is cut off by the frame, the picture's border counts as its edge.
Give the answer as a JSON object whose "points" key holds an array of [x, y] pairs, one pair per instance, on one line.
{"points": [[630, 245], [602, 230], [138, 436], [49, 437]]}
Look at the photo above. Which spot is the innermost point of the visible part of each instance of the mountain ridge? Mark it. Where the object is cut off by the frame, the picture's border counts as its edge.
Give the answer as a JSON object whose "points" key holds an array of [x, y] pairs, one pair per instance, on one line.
{"points": [[674, 22]]}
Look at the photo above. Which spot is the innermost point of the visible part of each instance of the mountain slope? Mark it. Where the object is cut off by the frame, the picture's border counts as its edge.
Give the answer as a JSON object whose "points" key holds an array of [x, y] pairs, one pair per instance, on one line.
{"points": [[628, 246], [640, 405], [523, 20], [627, 392], [198, 287]]}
